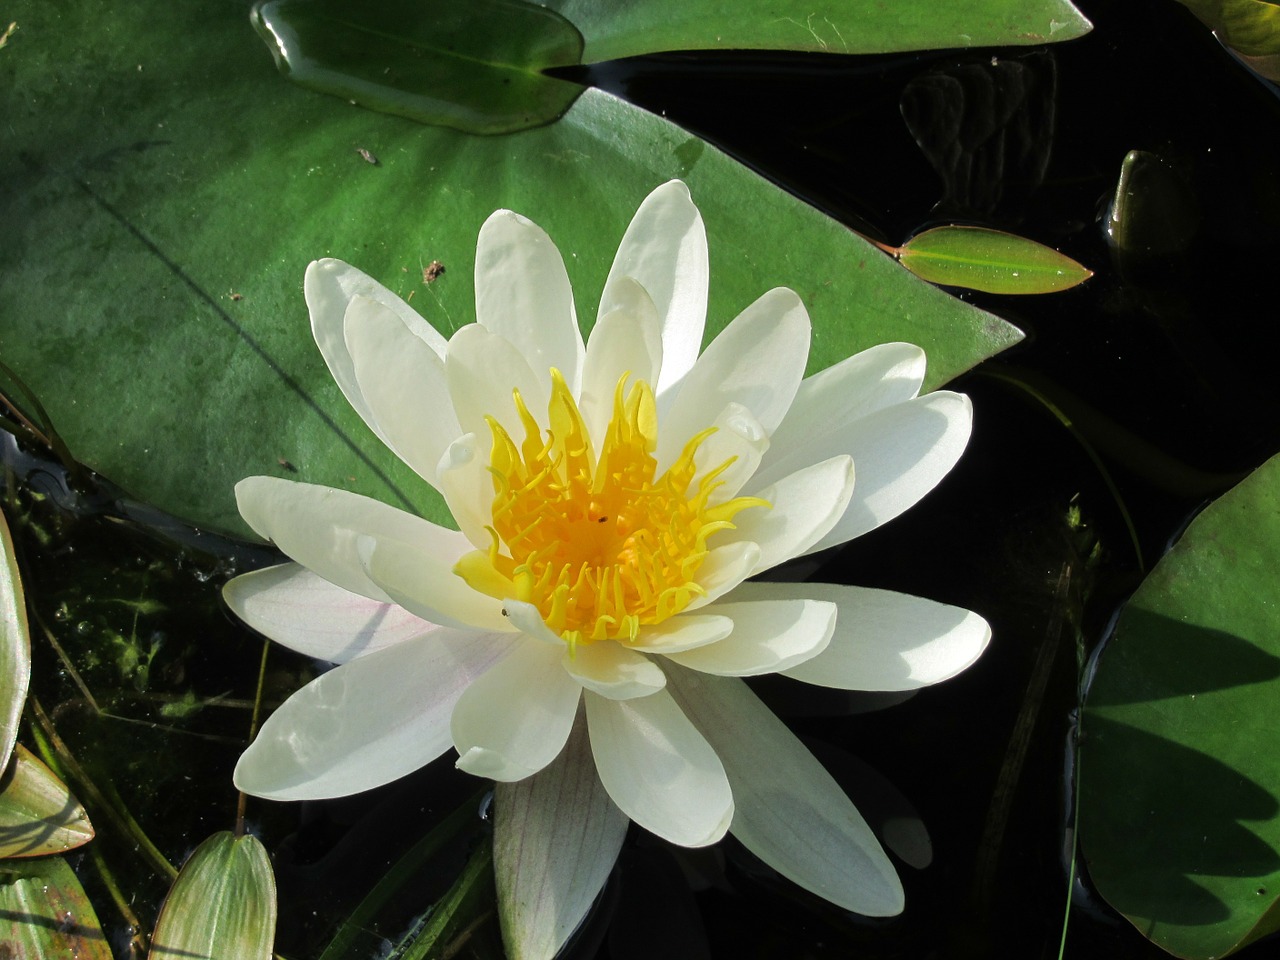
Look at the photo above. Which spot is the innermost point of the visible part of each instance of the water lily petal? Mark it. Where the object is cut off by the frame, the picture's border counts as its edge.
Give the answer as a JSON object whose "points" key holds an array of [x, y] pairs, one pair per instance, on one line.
{"points": [[422, 581], [768, 636], [526, 618], [806, 505], [556, 836], [665, 249], [523, 295], [757, 361], [682, 632], [366, 722], [625, 340], [740, 441], [789, 811], [295, 607], [483, 370], [463, 477], [400, 376], [611, 670], [514, 720], [884, 640], [659, 769], [320, 527], [723, 569]]}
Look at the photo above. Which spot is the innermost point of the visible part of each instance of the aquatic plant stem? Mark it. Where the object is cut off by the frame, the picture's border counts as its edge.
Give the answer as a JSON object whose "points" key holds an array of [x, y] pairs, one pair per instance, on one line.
{"points": [[242, 799], [137, 942]]}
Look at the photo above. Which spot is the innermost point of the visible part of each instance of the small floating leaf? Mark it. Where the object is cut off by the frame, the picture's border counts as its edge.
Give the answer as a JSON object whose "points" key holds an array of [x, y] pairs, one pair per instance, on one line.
{"points": [[38, 815], [223, 904], [15, 645], [1154, 212], [989, 260], [44, 912], [473, 66], [1179, 817]]}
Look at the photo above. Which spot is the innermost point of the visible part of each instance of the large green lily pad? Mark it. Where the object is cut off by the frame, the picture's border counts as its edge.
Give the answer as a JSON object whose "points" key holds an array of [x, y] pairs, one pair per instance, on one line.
{"points": [[1179, 816]]}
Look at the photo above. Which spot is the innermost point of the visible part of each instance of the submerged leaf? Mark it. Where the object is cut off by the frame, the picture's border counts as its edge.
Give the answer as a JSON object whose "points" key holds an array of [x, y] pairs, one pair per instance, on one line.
{"points": [[1179, 816], [990, 260], [44, 912], [15, 644], [223, 904], [38, 815]]}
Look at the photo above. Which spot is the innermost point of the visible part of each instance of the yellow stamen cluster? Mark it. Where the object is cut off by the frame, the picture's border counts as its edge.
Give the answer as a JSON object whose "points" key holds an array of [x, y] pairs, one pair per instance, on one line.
{"points": [[597, 543]]}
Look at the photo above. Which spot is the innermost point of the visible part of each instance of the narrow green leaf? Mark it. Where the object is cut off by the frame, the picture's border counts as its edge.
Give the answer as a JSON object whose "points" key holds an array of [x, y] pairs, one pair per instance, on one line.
{"points": [[1180, 807], [989, 260], [626, 28], [475, 66], [15, 644], [452, 915], [44, 912], [223, 904], [38, 815]]}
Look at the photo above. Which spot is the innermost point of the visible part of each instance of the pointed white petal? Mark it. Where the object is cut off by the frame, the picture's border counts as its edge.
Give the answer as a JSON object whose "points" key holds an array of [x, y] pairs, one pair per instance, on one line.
{"points": [[421, 579], [402, 380], [789, 811], [366, 722], [523, 295], [724, 568], [526, 618], [768, 637], [555, 838], [757, 361], [609, 669], [806, 505], [625, 340], [463, 477], [740, 440], [884, 640], [295, 607], [514, 720], [682, 632], [483, 369], [665, 249], [320, 527], [659, 769]]}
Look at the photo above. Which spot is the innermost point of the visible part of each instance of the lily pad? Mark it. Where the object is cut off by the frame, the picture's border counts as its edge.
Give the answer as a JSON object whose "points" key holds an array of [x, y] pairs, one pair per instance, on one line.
{"points": [[1179, 817], [990, 260], [15, 644], [38, 815], [45, 913], [223, 904]]}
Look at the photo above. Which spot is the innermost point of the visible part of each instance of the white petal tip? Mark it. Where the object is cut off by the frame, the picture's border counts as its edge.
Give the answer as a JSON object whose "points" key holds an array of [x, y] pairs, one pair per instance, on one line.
{"points": [[491, 765]]}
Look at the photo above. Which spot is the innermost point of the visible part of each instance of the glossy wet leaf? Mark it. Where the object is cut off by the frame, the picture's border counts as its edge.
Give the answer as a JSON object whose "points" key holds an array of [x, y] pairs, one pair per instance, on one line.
{"points": [[160, 226], [1250, 27], [1154, 212], [1179, 819], [44, 912], [223, 904], [476, 66], [38, 815], [991, 260], [15, 644], [625, 28]]}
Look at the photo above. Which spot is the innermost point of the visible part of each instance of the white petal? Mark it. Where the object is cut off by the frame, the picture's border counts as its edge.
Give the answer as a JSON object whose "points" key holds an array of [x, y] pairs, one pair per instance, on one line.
{"points": [[483, 369], [901, 452], [329, 286], [723, 569], [366, 722], [421, 579], [659, 769], [526, 618], [682, 632], [609, 669], [320, 527], [789, 811], [768, 637], [523, 295], [665, 249], [402, 380], [884, 640], [463, 477], [739, 438], [295, 607], [757, 361], [806, 505], [514, 720], [625, 340], [555, 838]]}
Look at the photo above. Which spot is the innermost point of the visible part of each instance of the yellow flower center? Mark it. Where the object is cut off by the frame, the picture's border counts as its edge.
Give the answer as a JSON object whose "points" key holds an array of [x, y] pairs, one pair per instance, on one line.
{"points": [[599, 544]]}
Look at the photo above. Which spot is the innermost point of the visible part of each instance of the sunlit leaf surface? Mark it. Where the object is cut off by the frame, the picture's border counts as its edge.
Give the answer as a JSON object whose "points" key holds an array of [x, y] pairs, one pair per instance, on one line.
{"points": [[159, 226], [38, 815], [15, 644], [45, 914], [989, 260], [223, 904], [1180, 820], [1250, 27]]}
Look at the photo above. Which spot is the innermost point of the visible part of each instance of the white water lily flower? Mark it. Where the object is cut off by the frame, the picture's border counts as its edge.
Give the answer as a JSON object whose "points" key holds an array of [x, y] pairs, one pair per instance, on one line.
{"points": [[581, 636]]}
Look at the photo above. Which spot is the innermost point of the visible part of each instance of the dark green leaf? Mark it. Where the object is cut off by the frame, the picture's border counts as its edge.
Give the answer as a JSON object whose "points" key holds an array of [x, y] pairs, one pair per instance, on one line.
{"points": [[1179, 817], [15, 644], [989, 260], [38, 815], [1250, 27], [44, 912]]}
